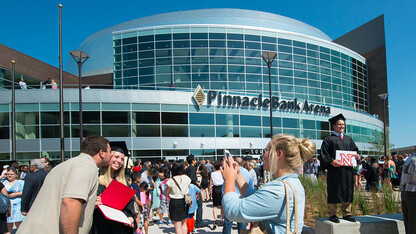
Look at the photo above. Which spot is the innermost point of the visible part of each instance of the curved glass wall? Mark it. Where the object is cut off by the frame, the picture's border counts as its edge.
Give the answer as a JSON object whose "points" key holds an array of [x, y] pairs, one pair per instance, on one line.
{"points": [[229, 58], [147, 121]]}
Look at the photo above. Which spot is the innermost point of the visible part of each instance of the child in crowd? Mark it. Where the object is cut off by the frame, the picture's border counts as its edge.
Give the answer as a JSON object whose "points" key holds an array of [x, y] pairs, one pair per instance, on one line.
{"points": [[145, 199], [194, 191], [156, 194], [164, 200], [135, 176]]}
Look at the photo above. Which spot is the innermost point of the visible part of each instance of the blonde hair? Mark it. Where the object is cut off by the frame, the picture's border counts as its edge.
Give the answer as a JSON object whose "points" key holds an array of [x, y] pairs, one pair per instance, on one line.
{"points": [[296, 151], [105, 174]]}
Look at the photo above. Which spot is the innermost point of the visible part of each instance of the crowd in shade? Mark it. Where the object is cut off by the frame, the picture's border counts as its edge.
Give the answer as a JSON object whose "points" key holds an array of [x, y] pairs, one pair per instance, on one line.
{"points": [[240, 189]]}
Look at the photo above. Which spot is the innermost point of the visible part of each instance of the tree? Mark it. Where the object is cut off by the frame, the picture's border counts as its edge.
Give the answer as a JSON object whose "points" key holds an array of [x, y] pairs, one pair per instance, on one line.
{"points": [[377, 143]]}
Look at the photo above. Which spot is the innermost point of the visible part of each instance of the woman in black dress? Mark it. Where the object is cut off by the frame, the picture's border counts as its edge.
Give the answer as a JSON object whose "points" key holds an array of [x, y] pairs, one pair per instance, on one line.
{"points": [[177, 187], [216, 185], [115, 170], [204, 182]]}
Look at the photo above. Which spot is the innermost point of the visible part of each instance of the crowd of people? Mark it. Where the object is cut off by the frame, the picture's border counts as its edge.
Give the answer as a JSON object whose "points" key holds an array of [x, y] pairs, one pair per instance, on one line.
{"points": [[375, 171], [21, 185], [240, 188], [69, 195]]}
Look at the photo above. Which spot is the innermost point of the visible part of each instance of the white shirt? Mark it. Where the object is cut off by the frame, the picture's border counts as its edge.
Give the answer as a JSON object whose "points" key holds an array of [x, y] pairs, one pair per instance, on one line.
{"points": [[408, 181], [22, 84], [216, 178], [184, 181]]}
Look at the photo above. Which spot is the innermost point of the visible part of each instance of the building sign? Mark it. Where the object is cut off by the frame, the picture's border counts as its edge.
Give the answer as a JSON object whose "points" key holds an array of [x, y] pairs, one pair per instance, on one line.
{"points": [[199, 96], [257, 102]]}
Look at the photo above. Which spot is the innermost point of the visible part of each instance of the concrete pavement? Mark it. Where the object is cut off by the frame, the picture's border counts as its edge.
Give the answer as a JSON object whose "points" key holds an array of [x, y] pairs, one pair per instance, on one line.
{"points": [[208, 218]]}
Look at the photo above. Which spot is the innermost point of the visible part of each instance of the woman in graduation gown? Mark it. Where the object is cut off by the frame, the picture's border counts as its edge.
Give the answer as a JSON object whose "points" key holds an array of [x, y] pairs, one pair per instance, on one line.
{"points": [[115, 170], [340, 179]]}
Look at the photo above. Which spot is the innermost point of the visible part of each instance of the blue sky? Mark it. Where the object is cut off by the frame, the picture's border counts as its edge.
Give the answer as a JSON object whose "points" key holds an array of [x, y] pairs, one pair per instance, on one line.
{"points": [[31, 27]]}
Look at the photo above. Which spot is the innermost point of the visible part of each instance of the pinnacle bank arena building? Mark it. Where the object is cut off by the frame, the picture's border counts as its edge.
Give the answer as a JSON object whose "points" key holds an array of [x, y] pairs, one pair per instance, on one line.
{"points": [[194, 82]]}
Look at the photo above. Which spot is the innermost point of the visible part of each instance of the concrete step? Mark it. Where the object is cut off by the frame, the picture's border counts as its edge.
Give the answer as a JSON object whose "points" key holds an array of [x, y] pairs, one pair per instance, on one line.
{"points": [[380, 224]]}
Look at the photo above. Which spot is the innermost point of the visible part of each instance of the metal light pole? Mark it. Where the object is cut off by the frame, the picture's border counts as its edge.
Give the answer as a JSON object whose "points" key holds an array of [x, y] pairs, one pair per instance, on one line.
{"points": [[61, 88], [268, 57], [79, 57], [13, 115], [383, 97]]}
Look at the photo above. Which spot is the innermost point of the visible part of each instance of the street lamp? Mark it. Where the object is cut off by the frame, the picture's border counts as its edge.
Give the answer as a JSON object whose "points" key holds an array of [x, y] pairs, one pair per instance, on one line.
{"points": [[383, 97], [79, 57], [61, 88], [13, 114], [268, 57]]}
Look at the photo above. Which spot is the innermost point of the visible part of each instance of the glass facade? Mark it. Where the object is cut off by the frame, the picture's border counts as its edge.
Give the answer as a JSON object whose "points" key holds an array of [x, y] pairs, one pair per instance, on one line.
{"points": [[229, 58], [218, 49], [150, 121]]}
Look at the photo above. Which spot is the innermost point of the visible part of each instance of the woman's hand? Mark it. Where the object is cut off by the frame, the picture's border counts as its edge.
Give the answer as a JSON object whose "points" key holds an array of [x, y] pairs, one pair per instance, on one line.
{"points": [[229, 172], [131, 222], [12, 195], [8, 212], [98, 201], [229, 169]]}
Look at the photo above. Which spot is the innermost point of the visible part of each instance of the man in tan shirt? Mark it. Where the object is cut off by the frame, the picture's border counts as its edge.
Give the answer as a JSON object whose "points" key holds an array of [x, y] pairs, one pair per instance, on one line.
{"points": [[65, 203]]}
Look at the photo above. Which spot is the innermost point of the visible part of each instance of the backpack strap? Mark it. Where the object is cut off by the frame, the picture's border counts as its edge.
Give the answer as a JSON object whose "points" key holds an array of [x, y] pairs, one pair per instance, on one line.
{"points": [[286, 184]]}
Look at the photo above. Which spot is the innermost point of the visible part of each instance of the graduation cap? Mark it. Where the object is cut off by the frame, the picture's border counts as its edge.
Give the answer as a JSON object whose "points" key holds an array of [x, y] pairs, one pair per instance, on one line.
{"points": [[334, 119], [119, 146]]}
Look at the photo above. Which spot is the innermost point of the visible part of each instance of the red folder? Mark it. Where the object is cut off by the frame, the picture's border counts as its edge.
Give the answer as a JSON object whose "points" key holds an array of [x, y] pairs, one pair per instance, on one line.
{"points": [[117, 195], [114, 198]]}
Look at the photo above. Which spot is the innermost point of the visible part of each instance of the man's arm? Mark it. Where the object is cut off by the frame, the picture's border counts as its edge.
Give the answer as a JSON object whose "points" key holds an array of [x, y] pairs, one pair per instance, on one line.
{"points": [[71, 209], [27, 194], [191, 173]]}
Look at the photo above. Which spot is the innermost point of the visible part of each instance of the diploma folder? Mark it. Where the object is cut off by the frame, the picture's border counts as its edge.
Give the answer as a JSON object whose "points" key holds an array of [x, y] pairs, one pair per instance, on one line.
{"points": [[114, 198]]}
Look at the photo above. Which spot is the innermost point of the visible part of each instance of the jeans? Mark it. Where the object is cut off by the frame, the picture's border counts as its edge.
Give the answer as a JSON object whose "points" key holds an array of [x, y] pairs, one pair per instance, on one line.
{"points": [[228, 224]]}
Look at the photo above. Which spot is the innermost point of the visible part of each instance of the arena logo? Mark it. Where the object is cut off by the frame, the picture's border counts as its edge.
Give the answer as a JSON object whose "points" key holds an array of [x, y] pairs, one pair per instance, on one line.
{"points": [[257, 102]]}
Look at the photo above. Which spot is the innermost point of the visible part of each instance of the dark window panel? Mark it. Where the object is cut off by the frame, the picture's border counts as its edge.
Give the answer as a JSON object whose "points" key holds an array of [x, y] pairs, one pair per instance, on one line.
{"points": [[231, 36], [268, 39], [202, 131], [174, 118], [174, 131], [146, 38], [130, 40], [146, 46], [217, 36], [163, 37], [146, 131], [181, 44], [116, 131], [146, 54], [252, 38], [180, 36], [115, 117], [199, 35]]}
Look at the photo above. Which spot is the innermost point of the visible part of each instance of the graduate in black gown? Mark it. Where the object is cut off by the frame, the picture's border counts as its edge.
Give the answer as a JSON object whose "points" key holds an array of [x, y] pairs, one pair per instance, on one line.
{"points": [[340, 180], [115, 170]]}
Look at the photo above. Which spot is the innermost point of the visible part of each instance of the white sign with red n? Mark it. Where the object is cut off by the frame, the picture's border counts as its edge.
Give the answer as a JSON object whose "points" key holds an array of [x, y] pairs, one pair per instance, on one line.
{"points": [[346, 158]]}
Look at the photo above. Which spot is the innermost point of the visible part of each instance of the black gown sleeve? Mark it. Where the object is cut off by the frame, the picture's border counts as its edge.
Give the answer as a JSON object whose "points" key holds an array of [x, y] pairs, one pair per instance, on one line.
{"points": [[129, 209], [325, 156]]}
